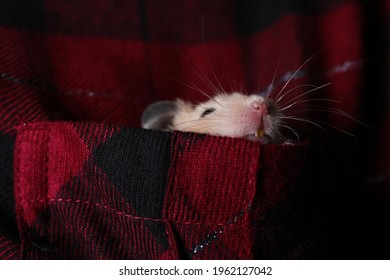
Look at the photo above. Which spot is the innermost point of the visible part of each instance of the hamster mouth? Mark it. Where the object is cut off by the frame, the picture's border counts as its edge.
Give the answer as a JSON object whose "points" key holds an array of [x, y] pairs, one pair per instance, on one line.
{"points": [[259, 135], [259, 132]]}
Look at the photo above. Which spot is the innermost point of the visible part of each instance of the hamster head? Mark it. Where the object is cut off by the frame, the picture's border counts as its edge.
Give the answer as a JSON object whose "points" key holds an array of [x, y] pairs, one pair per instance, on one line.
{"points": [[234, 115]]}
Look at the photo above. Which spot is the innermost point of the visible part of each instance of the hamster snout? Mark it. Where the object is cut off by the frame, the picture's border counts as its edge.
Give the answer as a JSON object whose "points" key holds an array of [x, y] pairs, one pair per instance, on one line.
{"points": [[255, 118], [259, 111], [259, 106]]}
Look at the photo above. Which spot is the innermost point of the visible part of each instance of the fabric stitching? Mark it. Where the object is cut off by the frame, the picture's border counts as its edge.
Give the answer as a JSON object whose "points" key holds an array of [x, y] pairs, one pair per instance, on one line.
{"points": [[171, 240], [121, 213]]}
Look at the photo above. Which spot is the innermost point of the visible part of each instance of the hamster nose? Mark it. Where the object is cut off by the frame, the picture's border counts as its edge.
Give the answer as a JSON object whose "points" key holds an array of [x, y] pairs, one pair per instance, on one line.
{"points": [[260, 106]]}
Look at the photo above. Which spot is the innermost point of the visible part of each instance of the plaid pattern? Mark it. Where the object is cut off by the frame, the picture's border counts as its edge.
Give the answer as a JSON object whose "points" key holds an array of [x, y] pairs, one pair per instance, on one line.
{"points": [[80, 180]]}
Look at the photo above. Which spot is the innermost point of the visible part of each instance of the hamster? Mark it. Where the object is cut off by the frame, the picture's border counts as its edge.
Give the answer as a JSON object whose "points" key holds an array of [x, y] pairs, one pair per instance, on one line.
{"points": [[233, 115]]}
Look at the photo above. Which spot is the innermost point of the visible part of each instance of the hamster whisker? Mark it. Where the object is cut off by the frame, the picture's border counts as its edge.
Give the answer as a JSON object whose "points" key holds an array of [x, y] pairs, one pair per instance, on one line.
{"points": [[294, 88], [293, 131], [235, 85], [307, 120], [199, 120], [271, 86], [303, 94], [181, 123], [293, 75], [337, 128], [203, 78], [315, 122], [309, 91], [221, 89], [287, 106], [208, 82], [201, 129], [335, 111], [196, 88]]}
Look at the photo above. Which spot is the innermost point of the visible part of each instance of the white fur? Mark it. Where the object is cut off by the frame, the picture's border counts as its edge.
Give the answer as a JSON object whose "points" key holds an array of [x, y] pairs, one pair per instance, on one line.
{"points": [[233, 116]]}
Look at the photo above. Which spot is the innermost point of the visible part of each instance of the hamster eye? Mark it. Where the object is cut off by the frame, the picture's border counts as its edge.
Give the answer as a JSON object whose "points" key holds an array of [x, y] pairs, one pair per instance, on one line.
{"points": [[207, 112]]}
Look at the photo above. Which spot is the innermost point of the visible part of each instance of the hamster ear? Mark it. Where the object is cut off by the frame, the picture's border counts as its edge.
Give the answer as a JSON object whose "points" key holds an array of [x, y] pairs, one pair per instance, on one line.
{"points": [[159, 115]]}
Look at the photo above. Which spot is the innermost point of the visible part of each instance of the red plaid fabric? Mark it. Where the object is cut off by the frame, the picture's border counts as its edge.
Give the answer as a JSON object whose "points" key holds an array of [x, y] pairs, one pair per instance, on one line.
{"points": [[79, 178]]}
